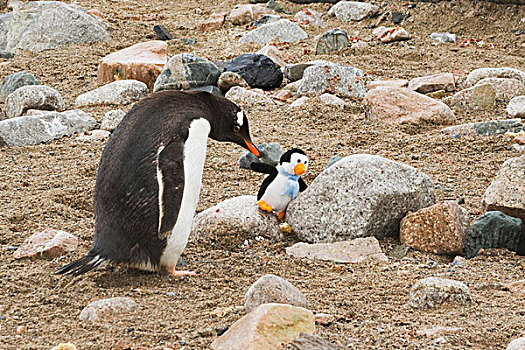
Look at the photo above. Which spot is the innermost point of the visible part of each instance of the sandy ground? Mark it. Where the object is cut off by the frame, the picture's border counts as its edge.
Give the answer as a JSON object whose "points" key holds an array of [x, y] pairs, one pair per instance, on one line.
{"points": [[52, 186]]}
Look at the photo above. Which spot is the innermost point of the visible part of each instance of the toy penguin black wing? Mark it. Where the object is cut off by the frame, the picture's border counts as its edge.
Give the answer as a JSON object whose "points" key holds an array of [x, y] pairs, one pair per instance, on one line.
{"points": [[265, 169], [302, 185]]}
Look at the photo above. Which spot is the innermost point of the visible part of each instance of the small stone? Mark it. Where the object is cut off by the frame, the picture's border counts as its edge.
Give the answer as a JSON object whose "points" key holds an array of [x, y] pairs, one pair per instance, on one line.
{"points": [[270, 153], [437, 95], [434, 291], [438, 229], [516, 107], [359, 46], [119, 92], [517, 344], [300, 102], [244, 97], [332, 41], [505, 88], [105, 308], [295, 72], [143, 62], [282, 30], [14, 81], [389, 83], [237, 217], [213, 23], [354, 251], [273, 53], [47, 244], [189, 41], [162, 32], [388, 35], [273, 5], [332, 100], [431, 83], [33, 97], [459, 261], [227, 80], [268, 326], [93, 135], [443, 37], [437, 331], [324, 319], [20, 329], [332, 161], [265, 19], [112, 119], [346, 11], [282, 95], [344, 81], [273, 289], [311, 342], [506, 193], [517, 287], [397, 17], [478, 74], [244, 14], [308, 16]]}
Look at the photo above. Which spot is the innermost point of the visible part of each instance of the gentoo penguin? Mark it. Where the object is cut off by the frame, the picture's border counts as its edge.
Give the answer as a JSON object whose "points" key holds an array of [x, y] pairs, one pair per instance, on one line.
{"points": [[283, 183], [149, 178]]}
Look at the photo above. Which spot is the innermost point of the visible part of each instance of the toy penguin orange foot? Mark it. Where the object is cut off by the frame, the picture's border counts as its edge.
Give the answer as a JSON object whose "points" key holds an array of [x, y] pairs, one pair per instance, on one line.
{"points": [[262, 204], [282, 215]]}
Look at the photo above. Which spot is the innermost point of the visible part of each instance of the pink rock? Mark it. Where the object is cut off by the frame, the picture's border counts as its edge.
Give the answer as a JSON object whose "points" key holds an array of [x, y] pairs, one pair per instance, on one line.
{"points": [[282, 95], [273, 289], [274, 53], [49, 244], [393, 83], [244, 13], [215, 22], [387, 35], [105, 307], [143, 62], [438, 229], [431, 83]]}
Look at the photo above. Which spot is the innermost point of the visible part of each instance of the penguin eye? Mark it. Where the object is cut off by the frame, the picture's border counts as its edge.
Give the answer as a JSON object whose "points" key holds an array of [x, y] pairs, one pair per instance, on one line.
{"points": [[236, 128]]}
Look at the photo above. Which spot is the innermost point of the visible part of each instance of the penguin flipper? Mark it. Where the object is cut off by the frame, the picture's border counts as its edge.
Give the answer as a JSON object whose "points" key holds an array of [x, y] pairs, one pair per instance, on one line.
{"points": [[78, 267], [263, 168], [302, 185]]}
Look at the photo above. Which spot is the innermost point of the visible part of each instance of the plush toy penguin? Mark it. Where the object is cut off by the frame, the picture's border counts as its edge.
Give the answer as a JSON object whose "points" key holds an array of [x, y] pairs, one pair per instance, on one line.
{"points": [[283, 182]]}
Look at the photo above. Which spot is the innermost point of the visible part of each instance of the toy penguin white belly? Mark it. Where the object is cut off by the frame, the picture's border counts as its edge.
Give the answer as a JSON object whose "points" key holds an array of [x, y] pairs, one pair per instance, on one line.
{"points": [[283, 183]]}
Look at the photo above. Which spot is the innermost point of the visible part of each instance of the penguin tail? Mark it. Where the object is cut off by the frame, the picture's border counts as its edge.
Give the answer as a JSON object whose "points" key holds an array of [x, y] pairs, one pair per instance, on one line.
{"points": [[78, 267]]}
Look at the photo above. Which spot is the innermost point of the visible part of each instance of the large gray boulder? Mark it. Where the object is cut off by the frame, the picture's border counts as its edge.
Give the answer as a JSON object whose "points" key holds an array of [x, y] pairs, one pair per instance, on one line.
{"points": [[344, 81], [32, 130], [14, 81], [42, 25], [360, 195], [282, 30], [33, 97]]}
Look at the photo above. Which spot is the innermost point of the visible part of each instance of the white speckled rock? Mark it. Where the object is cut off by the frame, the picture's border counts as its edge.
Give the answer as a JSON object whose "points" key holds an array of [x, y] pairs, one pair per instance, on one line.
{"points": [[505, 88], [516, 107], [354, 251], [32, 130], [300, 102], [517, 344], [33, 97], [344, 81], [481, 73], [121, 92], [433, 291], [112, 119], [360, 195], [346, 11], [238, 216], [244, 97], [104, 308], [282, 30], [273, 289]]}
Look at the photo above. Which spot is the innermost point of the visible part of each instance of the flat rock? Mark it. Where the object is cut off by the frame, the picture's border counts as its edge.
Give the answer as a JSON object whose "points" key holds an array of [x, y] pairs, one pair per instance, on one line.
{"points": [[479, 97], [32, 130], [185, 71], [244, 97], [227, 80], [14, 81], [388, 83], [495, 229], [238, 216], [438, 229], [360, 195], [282, 30], [112, 119], [213, 23], [444, 37], [431, 83], [268, 326], [517, 344], [434, 291], [516, 107], [311, 342], [343, 81], [346, 11], [308, 16], [259, 71], [104, 308], [270, 153], [388, 35], [332, 41], [33, 97], [354, 251], [332, 100], [505, 88], [43, 25], [162, 32], [273, 53], [246, 13], [143, 62], [273, 289], [294, 72], [121, 92], [402, 106], [300, 102], [506, 193], [481, 73], [488, 128], [47, 244]]}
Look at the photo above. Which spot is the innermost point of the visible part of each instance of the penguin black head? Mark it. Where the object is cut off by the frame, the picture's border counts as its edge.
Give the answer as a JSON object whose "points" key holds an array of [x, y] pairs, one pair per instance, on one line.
{"points": [[294, 161], [230, 124]]}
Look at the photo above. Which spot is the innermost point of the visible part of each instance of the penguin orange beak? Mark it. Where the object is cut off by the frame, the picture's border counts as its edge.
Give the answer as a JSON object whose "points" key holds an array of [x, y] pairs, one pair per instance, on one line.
{"points": [[299, 169], [252, 148]]}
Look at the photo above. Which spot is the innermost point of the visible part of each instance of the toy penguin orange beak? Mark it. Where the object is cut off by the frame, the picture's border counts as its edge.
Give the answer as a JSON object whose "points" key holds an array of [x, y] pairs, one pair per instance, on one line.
{"points": [[252, 148], [299, 169]]}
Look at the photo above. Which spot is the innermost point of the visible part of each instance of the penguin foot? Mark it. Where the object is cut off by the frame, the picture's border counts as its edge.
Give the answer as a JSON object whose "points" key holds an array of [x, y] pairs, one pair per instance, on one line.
{"points": [[282, 215], [176, 273], [262, 204]]}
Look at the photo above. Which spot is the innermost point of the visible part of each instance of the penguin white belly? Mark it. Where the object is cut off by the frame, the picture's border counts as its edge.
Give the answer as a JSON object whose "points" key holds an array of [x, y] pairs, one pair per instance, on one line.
{"points": [[194, 157], [273, 195]]}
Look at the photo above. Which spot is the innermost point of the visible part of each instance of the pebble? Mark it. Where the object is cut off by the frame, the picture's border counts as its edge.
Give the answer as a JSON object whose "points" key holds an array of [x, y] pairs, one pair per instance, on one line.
{"points": [[105, 308], [162, 32], [259, 71], [47, 244], [332, 41], [388, 35], [112, 119], [273, 289], [444, 37], [346, 11], [434, 291], [227, 80]]}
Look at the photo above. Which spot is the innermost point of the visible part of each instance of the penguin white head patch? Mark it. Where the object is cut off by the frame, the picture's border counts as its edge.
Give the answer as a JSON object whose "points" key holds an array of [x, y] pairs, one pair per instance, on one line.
{"points": [[294, 162], [240, 118]]}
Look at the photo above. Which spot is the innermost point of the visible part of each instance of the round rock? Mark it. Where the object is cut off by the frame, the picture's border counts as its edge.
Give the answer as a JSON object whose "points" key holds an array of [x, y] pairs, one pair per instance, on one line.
{"points": [[273, 289], [33, 97]]}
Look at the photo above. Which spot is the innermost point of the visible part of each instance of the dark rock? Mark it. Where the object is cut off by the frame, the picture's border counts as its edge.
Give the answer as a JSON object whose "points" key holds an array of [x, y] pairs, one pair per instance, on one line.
{"points": [[210, 88], [162, 32], [495, 230], [189, 41], [273, 5], [333, 40], [397, 17], [259, 71], [5, 54], [15, 81], [311, 342], [265, 19], [295, 71], [270, 153]]}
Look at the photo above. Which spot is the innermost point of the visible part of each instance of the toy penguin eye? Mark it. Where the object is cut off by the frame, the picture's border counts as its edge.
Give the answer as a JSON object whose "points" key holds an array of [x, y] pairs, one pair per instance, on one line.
{"points": [[236, 128], [298, 161]]}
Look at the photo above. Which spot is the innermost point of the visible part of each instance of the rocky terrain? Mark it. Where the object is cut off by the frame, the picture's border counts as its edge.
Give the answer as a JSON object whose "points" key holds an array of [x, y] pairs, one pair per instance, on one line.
{"points": [[412, 238]]}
